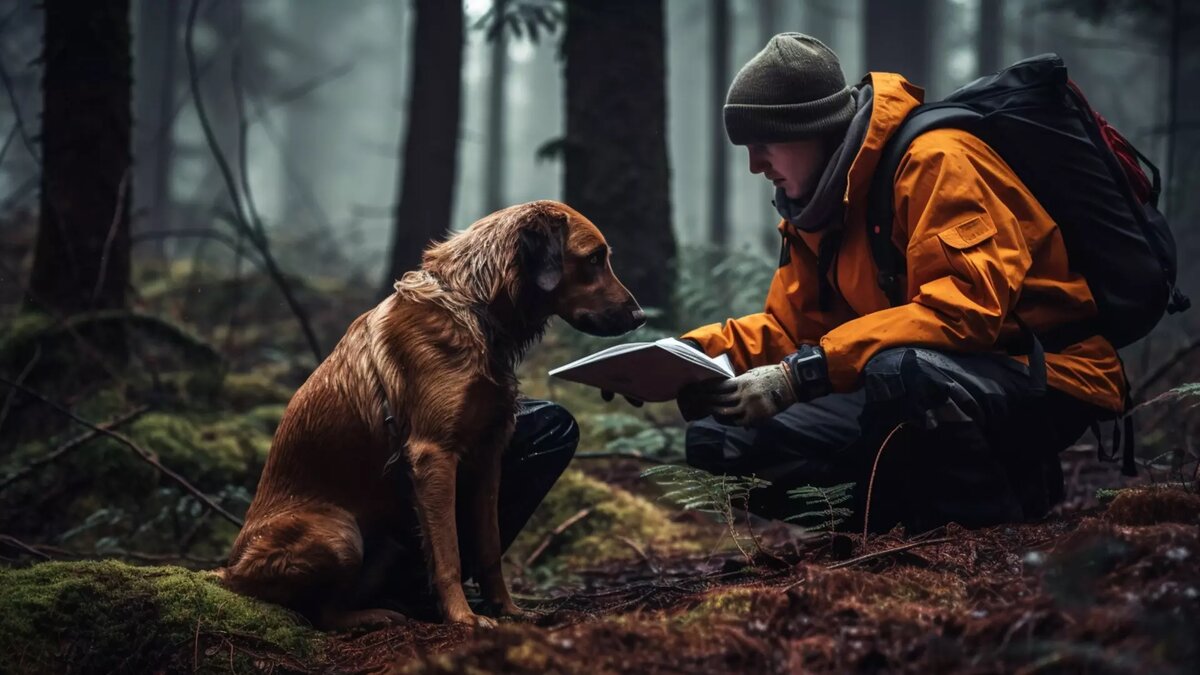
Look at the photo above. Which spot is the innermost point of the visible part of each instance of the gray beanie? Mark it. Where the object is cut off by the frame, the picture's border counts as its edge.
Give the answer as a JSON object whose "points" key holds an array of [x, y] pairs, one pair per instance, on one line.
{"points": [[792, 90]]}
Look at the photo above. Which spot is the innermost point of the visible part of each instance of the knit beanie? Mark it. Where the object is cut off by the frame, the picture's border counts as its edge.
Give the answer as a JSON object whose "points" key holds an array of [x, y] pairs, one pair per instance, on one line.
{"points": [[791, 90]]}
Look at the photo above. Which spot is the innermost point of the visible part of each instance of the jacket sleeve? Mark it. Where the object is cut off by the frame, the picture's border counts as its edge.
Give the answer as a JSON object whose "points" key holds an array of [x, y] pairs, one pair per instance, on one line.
{"points": [[966, 257], [791, 317]]}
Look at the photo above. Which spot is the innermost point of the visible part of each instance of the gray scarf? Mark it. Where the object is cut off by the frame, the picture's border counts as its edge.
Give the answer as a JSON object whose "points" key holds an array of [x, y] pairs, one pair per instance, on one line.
{"points": [[822, 208]]}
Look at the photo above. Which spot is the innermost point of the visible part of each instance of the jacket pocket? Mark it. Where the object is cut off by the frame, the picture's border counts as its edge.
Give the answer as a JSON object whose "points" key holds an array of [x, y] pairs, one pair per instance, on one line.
{"points": [[968, 234]]}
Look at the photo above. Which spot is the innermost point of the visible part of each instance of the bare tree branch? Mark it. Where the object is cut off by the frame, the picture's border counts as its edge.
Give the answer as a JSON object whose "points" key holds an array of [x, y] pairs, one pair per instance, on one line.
{"points": [[240, 221], [142, 453], [71, 444]]}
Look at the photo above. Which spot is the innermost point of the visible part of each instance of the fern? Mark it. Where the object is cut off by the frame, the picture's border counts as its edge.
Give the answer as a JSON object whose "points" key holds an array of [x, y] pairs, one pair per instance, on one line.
{"points": [[822, 504], [717, 494]]}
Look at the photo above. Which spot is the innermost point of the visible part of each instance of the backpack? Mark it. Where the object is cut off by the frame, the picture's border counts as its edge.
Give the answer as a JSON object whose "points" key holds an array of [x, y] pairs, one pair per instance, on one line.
{"points": [[1083, 173]]}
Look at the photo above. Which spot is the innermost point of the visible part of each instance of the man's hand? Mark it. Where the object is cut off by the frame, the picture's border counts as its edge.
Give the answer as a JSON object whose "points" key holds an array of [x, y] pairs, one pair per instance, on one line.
{"points": [[608, 396], [754, 396], [760, 393]]}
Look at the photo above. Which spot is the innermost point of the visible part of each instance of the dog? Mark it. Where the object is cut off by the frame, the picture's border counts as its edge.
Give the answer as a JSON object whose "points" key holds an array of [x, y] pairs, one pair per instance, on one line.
{"points": [[423, 383]]}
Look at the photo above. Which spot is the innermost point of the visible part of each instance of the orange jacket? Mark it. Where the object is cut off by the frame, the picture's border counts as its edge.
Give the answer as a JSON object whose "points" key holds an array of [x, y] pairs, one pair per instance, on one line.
{"points": [[979, 248]]}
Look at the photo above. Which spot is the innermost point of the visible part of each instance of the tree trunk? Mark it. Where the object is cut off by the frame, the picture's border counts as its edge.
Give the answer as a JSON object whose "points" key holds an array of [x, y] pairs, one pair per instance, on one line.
{"points": [[899, 35], [718, 184], [616, 141], [157, 44], [493, 189], [426, 190], [81, 258], [991, 36], [427, 174]]}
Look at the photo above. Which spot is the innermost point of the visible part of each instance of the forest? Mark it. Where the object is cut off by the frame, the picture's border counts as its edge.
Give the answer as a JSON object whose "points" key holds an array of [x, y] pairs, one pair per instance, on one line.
{"points": [[199, 197]]}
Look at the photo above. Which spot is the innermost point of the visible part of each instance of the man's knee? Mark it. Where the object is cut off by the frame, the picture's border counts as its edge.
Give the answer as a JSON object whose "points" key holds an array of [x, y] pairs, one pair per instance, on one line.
{"points": [[927, 387], [546, 430]]}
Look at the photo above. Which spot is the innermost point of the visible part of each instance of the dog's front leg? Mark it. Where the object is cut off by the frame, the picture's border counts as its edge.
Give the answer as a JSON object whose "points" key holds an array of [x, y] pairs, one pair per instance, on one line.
{"points": [[434, 473], [486, 522]]}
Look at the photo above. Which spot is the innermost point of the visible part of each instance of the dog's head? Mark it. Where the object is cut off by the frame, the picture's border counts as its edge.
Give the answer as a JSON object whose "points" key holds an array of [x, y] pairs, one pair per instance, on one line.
{"points": [[539, 259], [567, 259]]}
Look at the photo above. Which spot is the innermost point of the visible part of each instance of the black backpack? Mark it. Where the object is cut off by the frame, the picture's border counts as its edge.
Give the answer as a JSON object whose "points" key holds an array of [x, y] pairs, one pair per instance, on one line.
{"points": [[1086, 176]]}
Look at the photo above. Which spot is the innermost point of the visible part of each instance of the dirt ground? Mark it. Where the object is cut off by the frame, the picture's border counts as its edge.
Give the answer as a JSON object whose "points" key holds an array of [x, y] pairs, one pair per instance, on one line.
{"points": [[1113, 588]]}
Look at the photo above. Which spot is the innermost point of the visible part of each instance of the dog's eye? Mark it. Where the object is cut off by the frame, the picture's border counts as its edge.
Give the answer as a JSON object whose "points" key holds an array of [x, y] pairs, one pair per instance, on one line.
{"points": [[595, 259]]}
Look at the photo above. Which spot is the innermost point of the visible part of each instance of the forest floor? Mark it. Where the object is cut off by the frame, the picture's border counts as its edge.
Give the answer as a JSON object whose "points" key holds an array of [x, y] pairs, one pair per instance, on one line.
{"points": [[1095, 589]]}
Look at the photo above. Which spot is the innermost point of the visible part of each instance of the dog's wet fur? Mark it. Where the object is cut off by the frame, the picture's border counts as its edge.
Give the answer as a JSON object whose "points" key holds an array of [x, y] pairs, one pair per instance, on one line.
{"points": [[442, 349]]}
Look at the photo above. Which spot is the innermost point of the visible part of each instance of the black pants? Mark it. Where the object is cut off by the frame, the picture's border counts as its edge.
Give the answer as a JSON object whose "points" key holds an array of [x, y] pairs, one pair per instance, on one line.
{"points": [[542, 445], [978, 446]]}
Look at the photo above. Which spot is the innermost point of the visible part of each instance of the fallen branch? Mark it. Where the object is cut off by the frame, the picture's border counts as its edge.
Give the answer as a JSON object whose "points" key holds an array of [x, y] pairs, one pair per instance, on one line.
{"points": [[562, 527], [880, 554], [17, 543], [71, 444], [12, 393], [141, 452]]}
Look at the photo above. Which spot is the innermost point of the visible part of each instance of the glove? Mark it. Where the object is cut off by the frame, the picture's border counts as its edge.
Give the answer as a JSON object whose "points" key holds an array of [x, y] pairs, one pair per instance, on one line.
{"points": [[760, 393], [608, 396]]}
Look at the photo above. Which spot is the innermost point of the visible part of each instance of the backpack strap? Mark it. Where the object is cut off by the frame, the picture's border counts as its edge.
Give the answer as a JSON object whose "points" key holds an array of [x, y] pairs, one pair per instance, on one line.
{"points": [[881, 196]]}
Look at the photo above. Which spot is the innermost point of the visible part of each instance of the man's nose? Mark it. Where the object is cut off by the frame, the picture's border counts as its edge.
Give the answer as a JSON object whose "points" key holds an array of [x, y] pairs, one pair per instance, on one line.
{"points": [[756, 164]]}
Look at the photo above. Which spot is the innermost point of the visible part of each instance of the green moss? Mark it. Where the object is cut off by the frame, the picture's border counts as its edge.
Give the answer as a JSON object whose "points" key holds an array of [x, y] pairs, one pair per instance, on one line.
{"points": [[247, 390], [723, 605], [112, 617], [594, 539]]}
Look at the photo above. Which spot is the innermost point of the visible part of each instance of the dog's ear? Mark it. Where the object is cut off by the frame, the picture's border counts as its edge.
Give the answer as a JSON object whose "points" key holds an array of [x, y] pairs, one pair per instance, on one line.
{"points": [[542, 240]]}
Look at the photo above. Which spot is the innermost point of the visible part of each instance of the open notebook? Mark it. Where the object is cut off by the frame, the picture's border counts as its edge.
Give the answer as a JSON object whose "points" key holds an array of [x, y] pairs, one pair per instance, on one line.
{"points": [[650, 371]]}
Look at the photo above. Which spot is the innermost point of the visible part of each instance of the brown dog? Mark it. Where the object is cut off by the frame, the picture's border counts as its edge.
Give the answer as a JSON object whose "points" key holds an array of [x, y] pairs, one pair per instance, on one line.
{"points": [[440, 354]]}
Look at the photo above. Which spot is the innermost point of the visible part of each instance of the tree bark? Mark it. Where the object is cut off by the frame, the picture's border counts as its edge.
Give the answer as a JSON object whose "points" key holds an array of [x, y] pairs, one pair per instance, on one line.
{"points": [[493, 189], [899, 35], [616, 142], [426, 186], [718, 185], [991, 36], [81, 258], [157, 44]]}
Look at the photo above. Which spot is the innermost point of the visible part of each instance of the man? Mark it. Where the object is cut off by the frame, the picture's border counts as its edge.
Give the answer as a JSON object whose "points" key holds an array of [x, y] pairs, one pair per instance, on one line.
{"points": [[830, 369]]}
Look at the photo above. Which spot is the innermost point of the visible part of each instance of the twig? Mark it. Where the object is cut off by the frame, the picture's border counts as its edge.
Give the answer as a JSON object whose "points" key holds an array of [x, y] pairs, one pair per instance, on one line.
{"points": [[1163, 369], [12, 133], [37, 354], [20, 120], [640, 551], [240, 220], [17, 543], [562, 527], [71, 444], [122, 188], [141, 452], [880, 554], [871, 482]]}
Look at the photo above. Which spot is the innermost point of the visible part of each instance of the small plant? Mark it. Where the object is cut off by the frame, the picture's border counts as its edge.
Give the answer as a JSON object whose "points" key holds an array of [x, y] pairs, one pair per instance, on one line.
{"points": [[718, 494], [823, 505]]}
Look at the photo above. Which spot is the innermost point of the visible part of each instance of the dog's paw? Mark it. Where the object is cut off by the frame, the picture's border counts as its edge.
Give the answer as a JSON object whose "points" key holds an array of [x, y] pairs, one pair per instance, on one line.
{"points": [[472, 619]]}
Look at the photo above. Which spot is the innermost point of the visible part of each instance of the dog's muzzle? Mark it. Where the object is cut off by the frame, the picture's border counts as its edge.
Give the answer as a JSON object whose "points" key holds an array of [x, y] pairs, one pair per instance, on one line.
{"points": [[610, 322]]}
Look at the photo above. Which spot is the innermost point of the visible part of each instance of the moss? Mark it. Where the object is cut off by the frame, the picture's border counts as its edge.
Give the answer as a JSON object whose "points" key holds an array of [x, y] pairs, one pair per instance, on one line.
{"points": [[247, 390], [1154, 504], [594, 539], [108, 616], [724, 604]]}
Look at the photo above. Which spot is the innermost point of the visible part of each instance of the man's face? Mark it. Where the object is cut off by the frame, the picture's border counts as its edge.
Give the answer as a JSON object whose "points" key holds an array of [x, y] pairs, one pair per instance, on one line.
{"points": [[793, 166]]}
